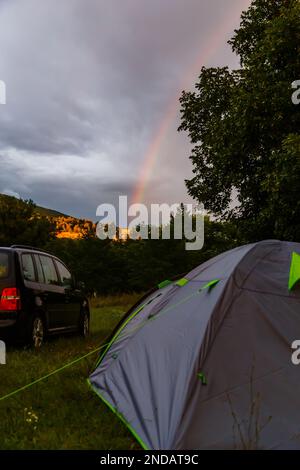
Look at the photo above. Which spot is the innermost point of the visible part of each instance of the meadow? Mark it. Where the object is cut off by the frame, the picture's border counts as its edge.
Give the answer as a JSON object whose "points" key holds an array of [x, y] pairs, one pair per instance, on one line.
{"points": [[61, 412]]}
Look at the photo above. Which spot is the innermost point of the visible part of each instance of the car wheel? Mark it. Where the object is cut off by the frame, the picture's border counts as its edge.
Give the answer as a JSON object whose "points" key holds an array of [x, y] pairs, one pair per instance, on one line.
{"points": [[84, 327], [37, 334]]}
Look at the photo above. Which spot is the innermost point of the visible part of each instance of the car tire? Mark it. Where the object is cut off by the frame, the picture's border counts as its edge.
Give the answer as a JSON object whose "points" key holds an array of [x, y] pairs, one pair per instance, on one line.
{"points": [[37, 332], [84, 326]]}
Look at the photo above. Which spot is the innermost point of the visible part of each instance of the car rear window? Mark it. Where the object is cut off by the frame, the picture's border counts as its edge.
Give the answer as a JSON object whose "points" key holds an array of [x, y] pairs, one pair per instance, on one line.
{"points": [[4, 265]]}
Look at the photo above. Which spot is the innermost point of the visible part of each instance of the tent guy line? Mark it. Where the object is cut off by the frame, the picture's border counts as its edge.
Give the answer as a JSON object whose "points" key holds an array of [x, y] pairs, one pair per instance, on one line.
{"points": [[56, 371], [69, 364]]}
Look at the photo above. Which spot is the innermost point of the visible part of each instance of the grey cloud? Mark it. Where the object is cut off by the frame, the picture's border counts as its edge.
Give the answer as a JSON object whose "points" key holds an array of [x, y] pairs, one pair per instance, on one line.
{"points": [[88, 84]]}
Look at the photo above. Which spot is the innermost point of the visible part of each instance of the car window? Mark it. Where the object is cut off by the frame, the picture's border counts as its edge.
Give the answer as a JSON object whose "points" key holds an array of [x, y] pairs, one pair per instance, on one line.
{"points": [[65, 275], [49, 270], [3, 265], [28, 267], [40, 274]]}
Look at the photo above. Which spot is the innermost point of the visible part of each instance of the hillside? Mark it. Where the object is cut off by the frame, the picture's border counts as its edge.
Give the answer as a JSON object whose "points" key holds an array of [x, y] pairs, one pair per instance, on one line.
{"points": [[43, 211], [66, 225]]}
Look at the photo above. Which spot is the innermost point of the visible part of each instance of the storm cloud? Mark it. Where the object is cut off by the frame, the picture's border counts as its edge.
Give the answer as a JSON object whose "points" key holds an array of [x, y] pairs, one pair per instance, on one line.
{"points": [[88, 84]]}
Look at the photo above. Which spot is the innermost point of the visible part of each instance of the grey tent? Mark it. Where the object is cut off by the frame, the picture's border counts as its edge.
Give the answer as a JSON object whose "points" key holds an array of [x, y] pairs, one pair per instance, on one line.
{"points": [[205, 362]]}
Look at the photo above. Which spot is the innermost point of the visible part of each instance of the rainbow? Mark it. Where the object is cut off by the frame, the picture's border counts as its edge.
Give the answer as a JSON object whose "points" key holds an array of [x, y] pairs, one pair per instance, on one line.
{"points": [[214, 42]]}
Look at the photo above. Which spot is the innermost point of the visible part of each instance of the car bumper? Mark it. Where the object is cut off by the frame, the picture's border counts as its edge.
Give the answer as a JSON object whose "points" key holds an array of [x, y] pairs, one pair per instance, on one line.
{"points": [[12, 324], [8, 319]]}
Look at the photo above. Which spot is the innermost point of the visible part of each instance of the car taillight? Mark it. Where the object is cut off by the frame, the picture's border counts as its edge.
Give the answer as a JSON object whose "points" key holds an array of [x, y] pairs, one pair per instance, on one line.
{"points": [[10, 299]]}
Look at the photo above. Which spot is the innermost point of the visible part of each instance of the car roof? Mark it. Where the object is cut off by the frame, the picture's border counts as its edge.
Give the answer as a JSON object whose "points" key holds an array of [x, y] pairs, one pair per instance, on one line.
{"points": [[26, 248]]}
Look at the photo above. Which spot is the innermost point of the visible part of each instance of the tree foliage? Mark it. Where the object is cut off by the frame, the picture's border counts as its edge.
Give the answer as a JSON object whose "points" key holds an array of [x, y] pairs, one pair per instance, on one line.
{"points": [[113, 266], [245, 129], [19, 224]]}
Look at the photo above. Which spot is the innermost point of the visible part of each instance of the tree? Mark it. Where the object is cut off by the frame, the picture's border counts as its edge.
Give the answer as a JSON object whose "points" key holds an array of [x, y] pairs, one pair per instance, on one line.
{"points": [[245, 129], [19, 224]]}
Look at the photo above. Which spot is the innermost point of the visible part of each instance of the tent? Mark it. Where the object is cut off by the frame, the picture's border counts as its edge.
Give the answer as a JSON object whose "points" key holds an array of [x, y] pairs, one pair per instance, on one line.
{"points": [[205, 362]]}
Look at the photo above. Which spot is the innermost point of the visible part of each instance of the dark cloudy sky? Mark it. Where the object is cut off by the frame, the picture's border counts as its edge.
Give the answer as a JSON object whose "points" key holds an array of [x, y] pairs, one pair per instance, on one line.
{"points": [[89, 85]]}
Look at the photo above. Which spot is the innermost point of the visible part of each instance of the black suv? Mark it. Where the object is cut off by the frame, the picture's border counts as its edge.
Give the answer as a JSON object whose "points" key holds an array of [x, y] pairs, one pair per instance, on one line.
{"points": [[39, 296]]}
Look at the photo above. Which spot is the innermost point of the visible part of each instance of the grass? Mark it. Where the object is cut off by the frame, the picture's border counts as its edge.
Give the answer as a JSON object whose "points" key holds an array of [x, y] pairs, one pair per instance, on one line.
{"points": [[62, 412]]}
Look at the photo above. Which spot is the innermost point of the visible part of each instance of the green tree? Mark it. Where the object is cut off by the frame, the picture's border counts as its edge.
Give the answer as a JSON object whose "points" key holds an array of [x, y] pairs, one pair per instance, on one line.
{"points": [[245, 129], [19, 223]]}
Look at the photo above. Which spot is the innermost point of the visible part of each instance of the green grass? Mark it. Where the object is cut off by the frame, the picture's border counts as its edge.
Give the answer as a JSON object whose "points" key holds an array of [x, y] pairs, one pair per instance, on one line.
{"points": [[62, 412]]}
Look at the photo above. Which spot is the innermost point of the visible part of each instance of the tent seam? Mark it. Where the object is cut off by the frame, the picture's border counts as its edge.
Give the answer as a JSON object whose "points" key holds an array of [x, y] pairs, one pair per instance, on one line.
{"points": [[119, 415]]}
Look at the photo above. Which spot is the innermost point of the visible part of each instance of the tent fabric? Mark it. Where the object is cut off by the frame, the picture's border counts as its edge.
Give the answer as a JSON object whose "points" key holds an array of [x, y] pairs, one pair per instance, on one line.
{"points": [[211, 368]]}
